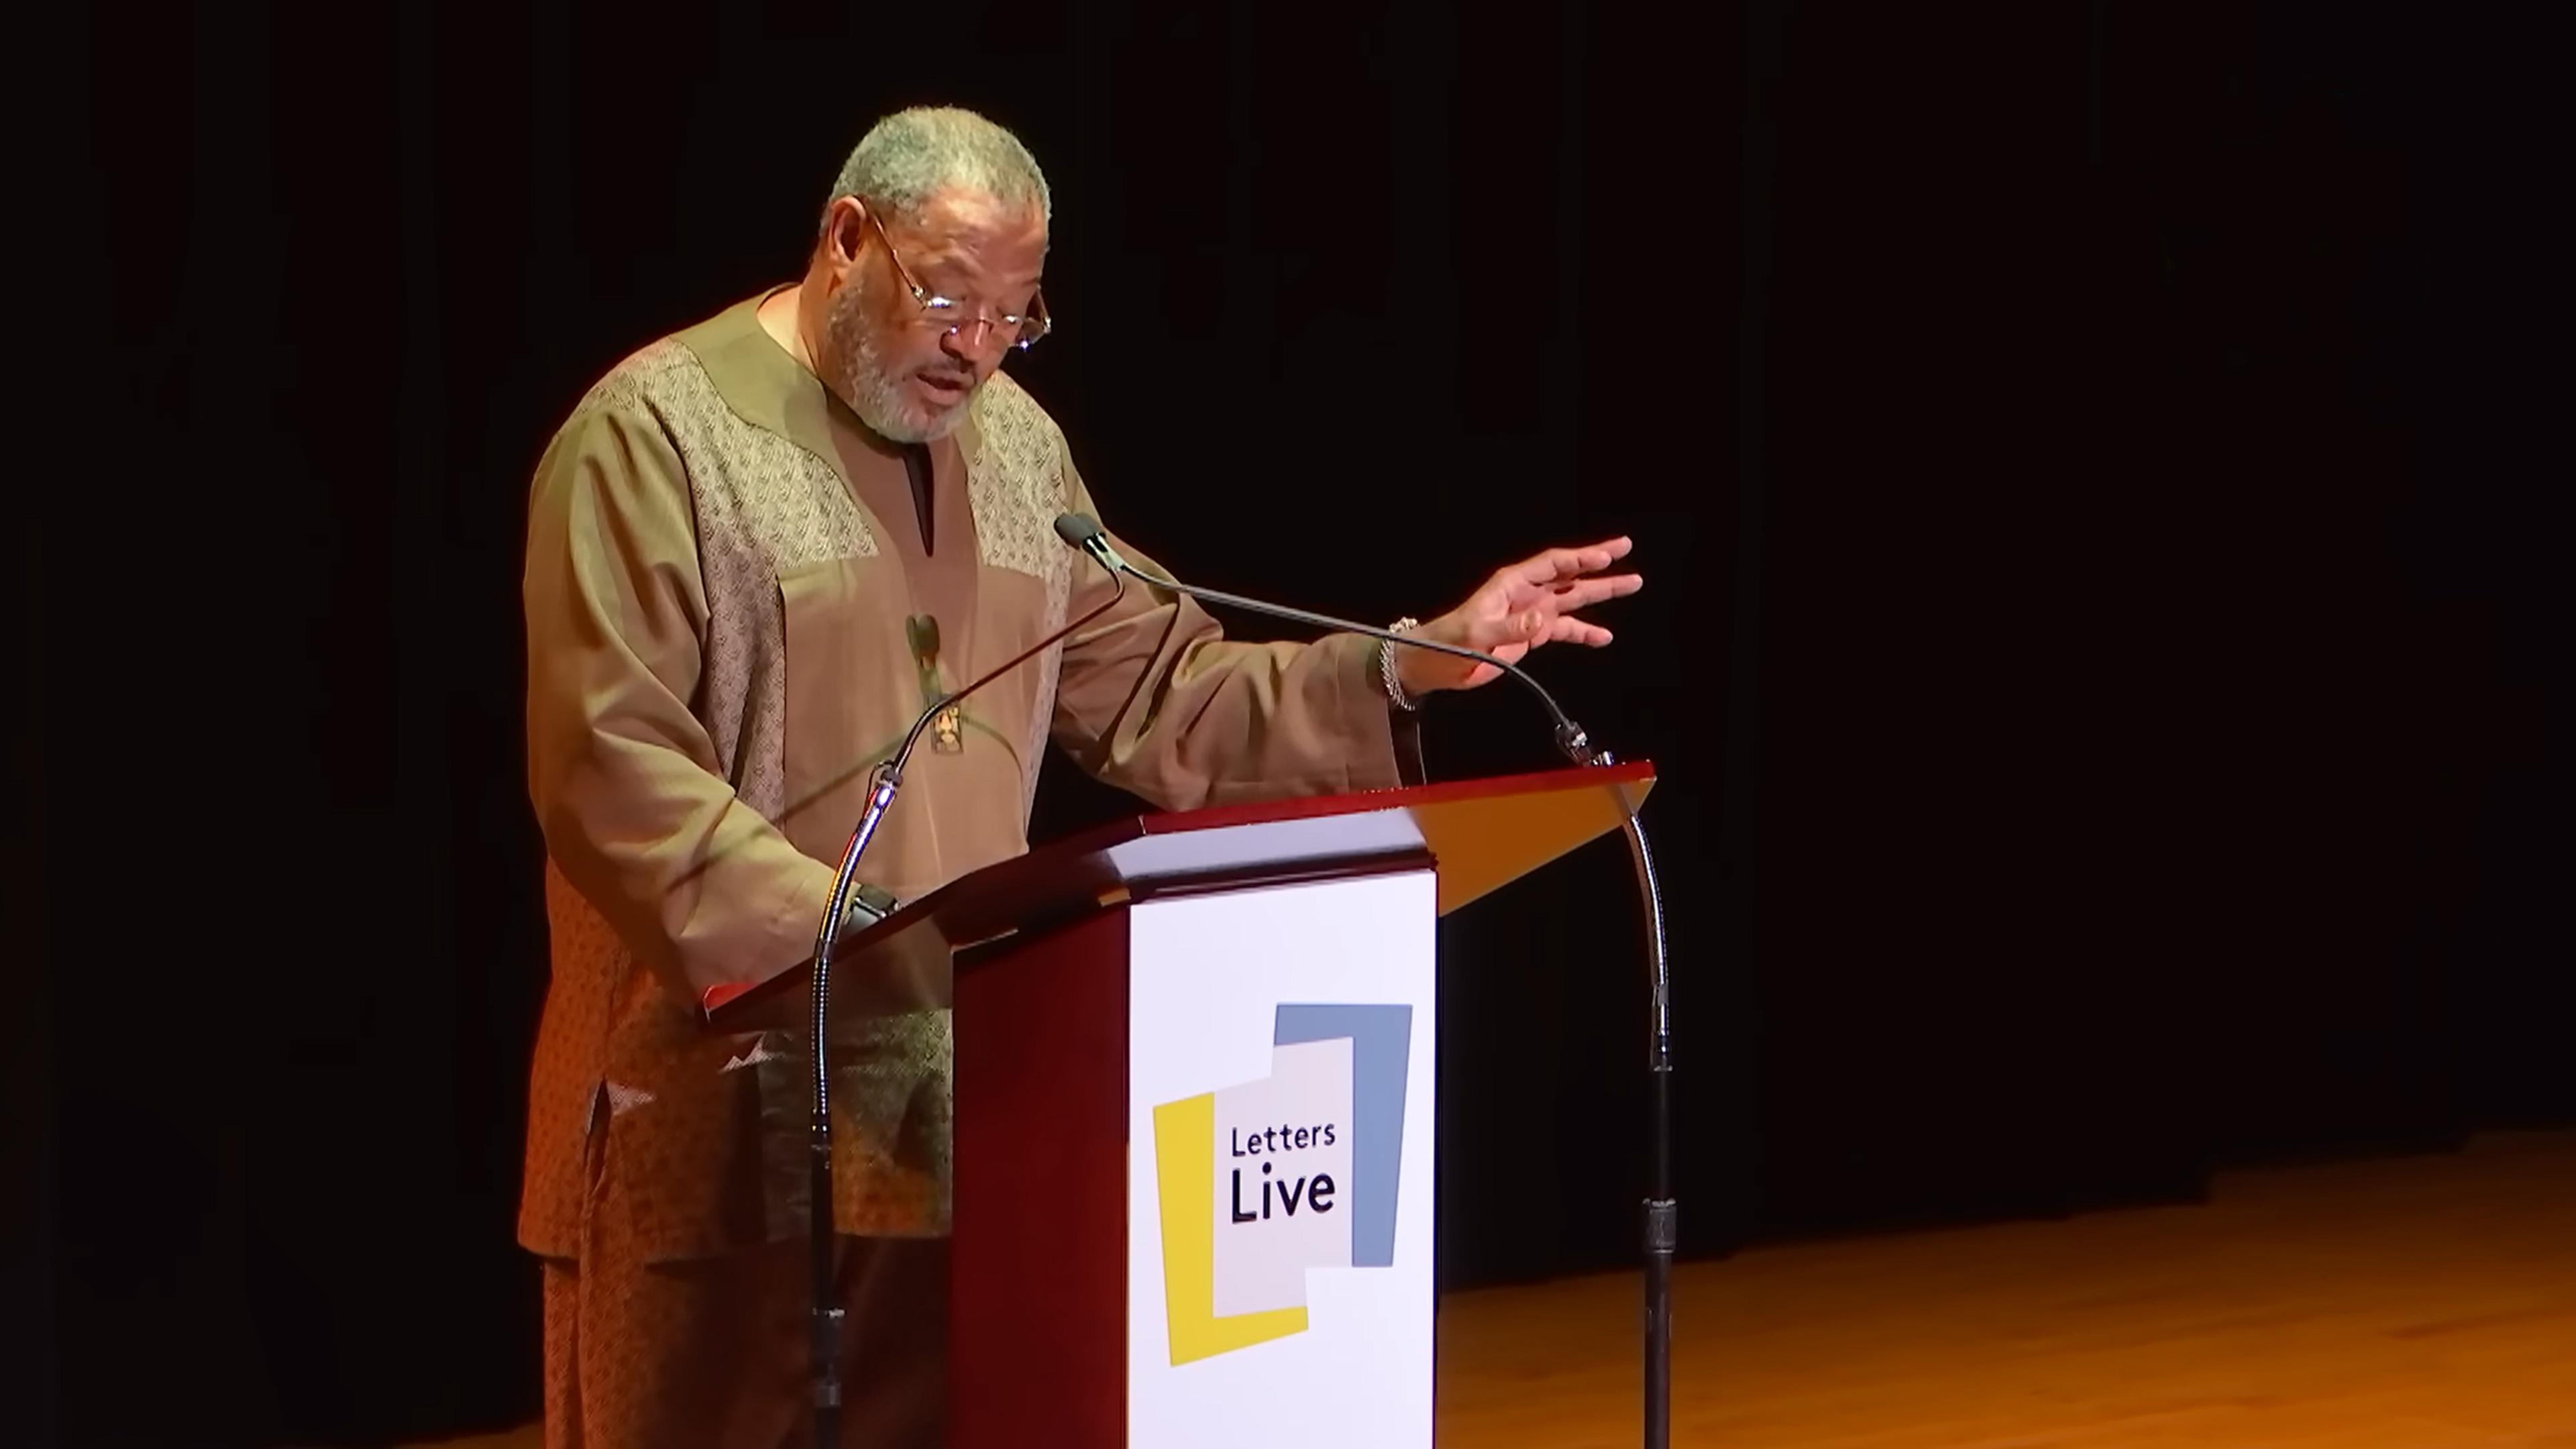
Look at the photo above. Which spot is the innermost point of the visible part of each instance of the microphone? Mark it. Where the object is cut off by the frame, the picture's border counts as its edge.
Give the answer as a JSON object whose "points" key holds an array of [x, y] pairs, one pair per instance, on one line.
{"points": [[1085, 533], [1662, 1211], [825, 1373]]}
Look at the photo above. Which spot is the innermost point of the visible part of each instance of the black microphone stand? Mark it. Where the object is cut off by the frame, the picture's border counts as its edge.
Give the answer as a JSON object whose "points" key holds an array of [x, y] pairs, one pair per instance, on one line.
{"points": [[1662, 1211], [885, 780]]}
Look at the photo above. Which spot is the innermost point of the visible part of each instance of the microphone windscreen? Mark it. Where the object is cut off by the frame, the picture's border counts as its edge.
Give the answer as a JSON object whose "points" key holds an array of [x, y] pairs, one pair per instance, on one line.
{"points": [[1078, 529]]}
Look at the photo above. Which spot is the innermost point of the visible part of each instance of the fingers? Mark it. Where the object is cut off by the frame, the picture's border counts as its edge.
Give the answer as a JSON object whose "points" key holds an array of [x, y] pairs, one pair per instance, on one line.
{"points": [[1533, 603], [1532, 627], [1565, 598], [1566, 629], [1569, 563], [1583, 593]]}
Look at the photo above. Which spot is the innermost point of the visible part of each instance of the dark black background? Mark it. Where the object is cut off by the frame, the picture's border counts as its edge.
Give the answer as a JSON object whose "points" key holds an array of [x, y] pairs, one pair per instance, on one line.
{"points": [[2091, 462]]}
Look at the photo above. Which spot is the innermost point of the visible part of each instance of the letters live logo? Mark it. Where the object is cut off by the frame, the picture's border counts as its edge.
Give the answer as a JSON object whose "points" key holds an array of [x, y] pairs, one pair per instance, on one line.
{"points": [[1258, 1183]]}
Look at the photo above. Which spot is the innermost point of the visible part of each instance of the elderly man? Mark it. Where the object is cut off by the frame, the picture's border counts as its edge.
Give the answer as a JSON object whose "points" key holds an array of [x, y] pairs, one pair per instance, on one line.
{"points": [[756, 550]]}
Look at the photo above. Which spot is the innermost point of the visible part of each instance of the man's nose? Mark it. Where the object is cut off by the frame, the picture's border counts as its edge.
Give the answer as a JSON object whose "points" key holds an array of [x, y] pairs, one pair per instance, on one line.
{"points": [[976, 342]]}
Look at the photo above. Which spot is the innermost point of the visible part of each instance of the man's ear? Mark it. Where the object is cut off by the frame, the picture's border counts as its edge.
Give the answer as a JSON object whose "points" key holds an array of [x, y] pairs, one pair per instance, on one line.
{"points": [[844, 232]]}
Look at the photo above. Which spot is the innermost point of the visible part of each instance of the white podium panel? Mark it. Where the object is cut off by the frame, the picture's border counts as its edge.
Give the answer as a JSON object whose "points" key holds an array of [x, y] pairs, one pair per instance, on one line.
{"points": [[1279, 1227]]}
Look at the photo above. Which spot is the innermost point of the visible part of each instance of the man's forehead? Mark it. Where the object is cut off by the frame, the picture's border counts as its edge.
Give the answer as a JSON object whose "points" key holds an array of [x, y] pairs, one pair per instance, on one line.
{"points": [[967, 224]]}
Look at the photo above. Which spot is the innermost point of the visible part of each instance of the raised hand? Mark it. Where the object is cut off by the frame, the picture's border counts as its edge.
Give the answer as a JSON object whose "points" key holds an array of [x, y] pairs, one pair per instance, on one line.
{"points": [[1522, 607]]}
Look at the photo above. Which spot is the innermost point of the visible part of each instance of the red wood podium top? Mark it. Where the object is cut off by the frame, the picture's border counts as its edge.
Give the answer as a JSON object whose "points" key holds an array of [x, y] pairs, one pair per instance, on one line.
{"points": [[1480, 834]]}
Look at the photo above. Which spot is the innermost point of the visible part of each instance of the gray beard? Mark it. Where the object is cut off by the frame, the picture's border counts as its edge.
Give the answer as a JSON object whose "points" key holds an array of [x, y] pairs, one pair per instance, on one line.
{"points": [[856, 372]]}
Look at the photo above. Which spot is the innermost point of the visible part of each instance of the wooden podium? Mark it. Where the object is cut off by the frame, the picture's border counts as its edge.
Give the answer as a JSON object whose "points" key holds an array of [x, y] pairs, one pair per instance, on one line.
{"points": [[1194, 1089]]}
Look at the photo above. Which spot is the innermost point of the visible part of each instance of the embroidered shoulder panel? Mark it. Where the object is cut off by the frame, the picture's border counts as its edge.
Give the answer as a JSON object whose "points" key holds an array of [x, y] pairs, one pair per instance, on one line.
{"points": [[764, 505], [1015, 481]]}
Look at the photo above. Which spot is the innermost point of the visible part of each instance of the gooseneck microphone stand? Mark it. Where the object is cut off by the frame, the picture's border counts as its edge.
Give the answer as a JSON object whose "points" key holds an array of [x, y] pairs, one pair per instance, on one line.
{"points": [[885, 780], [1662, 1212]]}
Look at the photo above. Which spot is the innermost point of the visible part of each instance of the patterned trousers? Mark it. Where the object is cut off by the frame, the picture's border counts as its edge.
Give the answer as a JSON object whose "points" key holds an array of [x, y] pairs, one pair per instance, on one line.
{"points": [[711, 1353]]}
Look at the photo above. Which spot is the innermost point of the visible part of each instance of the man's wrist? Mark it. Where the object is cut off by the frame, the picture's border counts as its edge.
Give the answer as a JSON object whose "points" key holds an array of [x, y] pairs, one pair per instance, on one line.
{"points": [[1390, 665], [1418, 672]]}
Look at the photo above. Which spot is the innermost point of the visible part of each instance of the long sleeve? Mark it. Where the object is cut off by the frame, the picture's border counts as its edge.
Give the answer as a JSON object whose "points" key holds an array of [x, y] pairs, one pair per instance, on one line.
{"points": [[624, 778], [1154, 699]]}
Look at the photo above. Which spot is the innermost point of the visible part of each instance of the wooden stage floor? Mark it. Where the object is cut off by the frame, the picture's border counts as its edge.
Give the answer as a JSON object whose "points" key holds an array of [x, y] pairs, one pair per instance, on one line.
{"points": [[2418, 1302]]}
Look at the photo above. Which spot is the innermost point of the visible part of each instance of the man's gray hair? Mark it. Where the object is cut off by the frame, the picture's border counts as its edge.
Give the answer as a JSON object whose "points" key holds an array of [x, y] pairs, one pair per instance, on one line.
{"points": [[911, 155]]}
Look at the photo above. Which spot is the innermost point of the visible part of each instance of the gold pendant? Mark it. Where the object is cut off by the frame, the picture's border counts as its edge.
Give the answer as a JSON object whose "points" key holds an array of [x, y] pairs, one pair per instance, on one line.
{"points": [[948, 732]]}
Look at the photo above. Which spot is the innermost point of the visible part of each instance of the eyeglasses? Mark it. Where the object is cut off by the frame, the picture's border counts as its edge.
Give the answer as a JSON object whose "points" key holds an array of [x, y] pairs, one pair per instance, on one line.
{"points": [[1017, 330]]}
